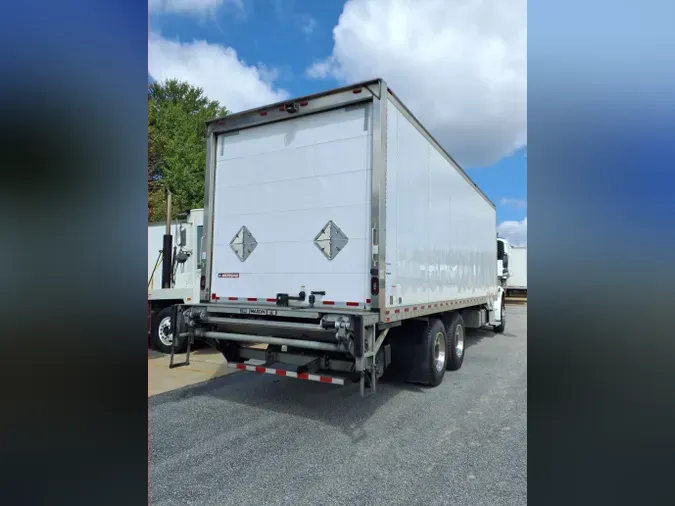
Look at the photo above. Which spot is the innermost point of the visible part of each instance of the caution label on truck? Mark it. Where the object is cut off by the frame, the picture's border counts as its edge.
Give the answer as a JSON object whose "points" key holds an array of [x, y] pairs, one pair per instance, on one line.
{"points": [[231, 275]]}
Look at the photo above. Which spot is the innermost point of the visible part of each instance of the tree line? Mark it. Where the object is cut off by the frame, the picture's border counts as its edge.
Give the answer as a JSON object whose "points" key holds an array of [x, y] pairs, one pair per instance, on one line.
{"points": [[177, 112]]}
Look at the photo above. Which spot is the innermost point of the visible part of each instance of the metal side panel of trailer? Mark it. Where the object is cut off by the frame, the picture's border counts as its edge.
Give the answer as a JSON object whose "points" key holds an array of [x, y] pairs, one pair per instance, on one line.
{"points": [[440, 227], [345, 194]]}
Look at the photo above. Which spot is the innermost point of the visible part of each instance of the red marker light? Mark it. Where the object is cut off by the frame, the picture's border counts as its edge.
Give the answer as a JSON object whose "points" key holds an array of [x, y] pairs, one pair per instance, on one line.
{"points": [[374, 285]]}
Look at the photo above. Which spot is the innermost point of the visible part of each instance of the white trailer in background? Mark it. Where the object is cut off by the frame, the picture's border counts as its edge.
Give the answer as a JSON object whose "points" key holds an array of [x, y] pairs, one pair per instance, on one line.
{"points": [[340, 233], [517, 283], [187, 241]]}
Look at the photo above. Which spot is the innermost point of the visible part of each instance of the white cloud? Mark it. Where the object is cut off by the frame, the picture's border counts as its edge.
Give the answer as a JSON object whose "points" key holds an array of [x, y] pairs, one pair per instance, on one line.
{"points": [[514, 231], [191, 6], [309, 24], [460, 66], [325, 68], [519, 203], [216, 69], [285, 11]]}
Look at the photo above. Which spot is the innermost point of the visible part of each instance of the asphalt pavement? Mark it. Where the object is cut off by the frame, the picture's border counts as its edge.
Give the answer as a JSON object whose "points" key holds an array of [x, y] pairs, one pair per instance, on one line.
{"points": [[255, 439]]}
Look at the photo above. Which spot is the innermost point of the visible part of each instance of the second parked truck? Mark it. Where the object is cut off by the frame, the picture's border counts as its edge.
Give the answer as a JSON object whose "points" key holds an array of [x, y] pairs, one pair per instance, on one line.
{"points": [[339, 233]]}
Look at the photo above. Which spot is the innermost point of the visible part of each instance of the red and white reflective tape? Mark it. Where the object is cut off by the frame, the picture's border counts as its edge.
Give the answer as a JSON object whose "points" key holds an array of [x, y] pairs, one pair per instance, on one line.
{"points": [[290, 374], [271, 300]]}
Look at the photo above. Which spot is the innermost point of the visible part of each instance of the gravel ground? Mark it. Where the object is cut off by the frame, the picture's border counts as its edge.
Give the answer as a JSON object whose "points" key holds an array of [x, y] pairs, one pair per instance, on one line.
{"points": [[256, 439]]}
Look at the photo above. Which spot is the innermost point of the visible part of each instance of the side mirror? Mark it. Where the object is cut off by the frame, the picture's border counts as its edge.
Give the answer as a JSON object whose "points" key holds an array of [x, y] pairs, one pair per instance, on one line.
{"points": [[182, 237], [506, 261]]}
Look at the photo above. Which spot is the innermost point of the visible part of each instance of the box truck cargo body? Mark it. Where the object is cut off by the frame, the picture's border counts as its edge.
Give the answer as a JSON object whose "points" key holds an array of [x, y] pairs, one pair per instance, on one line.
{"points": [[335, 223], [517, 283]]}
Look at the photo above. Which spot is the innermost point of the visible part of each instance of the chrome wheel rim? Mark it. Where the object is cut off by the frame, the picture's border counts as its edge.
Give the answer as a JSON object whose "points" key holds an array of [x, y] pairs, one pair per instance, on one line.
{"points": [[439, 351], [164, 331], [459, 341]]}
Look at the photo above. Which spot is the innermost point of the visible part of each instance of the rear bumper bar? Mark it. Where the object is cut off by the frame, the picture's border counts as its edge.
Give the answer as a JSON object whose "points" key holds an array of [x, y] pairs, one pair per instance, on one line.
{"points": [[280, 341], [290, 374]]}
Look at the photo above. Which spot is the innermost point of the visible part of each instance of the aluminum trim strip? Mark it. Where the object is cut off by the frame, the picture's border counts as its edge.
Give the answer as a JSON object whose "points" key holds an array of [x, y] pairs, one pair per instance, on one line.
{"points": [[398, 313]]}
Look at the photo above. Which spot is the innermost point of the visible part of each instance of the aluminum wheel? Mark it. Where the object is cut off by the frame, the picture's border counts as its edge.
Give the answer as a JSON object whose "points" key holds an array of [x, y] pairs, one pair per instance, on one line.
{"points": [[459, 341], [439, 352], [164, 331]]}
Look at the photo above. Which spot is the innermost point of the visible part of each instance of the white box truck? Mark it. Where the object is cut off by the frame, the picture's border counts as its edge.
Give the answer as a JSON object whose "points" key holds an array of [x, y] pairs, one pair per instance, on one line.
{"points": [[342, 235], [517, 283], [183, 286]]}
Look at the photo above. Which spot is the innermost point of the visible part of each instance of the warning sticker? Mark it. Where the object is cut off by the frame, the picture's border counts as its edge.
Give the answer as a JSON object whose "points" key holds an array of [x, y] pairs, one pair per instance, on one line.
{"points": [[231, 275]]}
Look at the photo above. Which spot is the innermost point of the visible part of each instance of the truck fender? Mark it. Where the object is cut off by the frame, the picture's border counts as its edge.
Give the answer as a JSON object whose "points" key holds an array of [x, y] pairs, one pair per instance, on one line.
{"points": [[497, 303]]}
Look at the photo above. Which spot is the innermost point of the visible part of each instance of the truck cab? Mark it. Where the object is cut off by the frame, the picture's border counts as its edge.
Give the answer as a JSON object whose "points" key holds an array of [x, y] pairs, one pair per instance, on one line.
{"points": [[503, 252], [187, 234]]}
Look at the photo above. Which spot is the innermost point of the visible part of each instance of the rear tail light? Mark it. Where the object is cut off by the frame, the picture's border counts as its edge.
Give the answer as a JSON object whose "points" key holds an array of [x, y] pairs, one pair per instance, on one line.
{"points": [[202, 283], [374, 285]]}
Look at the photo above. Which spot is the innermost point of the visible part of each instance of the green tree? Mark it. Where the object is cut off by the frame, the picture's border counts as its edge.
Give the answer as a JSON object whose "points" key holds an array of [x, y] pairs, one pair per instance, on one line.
{"points": [[177, 145]]}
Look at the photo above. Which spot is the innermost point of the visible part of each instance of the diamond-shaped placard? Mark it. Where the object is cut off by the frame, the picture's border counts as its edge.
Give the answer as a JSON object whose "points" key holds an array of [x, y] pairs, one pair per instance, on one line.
{"points": [[331, 240], [243, 243]]}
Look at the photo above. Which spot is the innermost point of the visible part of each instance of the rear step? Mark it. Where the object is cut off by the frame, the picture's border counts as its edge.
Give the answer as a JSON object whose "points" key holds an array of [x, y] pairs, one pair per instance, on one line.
{"points": [[290, 374]]}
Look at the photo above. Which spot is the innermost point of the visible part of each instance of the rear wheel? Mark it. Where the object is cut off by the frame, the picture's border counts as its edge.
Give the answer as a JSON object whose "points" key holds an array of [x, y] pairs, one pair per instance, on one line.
{"points": [[456, 340], [419, 352], [436, 355], [162, 335]]}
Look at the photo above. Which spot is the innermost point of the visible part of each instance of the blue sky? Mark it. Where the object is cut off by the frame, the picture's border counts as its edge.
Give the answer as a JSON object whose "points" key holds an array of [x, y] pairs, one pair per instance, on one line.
{"points": [[467, 86]]}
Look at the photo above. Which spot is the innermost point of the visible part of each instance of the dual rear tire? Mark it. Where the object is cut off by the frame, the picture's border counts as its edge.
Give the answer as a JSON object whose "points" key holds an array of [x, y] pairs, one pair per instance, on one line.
{"points": [[456, 341], [423, 351]]}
